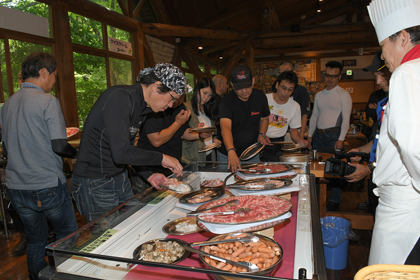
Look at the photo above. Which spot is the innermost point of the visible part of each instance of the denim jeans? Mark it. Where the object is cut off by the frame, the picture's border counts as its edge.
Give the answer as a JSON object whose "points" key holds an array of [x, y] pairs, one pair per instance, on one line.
{"points": [[95, 197], [34, 208], [321, 142]]}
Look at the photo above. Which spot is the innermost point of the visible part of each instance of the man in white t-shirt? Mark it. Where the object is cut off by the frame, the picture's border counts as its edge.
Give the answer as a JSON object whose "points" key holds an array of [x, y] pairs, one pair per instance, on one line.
{"points": [[284, 112]]}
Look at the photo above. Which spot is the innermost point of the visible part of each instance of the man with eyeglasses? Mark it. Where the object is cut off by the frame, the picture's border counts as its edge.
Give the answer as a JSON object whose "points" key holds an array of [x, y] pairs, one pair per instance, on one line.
{"points": [[300, 95], [330, 120], [100, 178], [284, 113]]}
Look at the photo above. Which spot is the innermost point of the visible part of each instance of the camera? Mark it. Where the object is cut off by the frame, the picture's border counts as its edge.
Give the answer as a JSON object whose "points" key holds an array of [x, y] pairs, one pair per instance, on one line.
{"points": [[336, 167]]}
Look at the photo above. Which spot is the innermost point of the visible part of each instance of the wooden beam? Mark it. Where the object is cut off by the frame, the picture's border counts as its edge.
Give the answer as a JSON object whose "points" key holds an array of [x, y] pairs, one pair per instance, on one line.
{"points": [[233, 59], [190, 61], [140, 56], [138, 8], [270, 17], [218, 48], [313, 40], [161, 9], [124, 8], [148, 53], [330, 14], [183, 31], [249, 55], [316, 29], [176, 58], [63, 53]]}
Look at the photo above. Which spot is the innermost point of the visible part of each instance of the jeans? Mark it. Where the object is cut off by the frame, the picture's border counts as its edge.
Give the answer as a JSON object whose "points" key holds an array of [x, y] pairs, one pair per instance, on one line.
{"points": [[325, 143], [222, 157], [34, 208], [95, 197]]}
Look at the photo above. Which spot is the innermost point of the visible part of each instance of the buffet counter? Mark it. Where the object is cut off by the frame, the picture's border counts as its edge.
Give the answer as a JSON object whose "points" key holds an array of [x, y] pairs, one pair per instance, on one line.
{"points": [[104, 248]]}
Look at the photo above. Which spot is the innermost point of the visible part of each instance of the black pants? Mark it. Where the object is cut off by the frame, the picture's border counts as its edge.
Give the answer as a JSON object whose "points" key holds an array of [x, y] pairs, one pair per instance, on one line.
{"points": [[414, 257], [272, 153]]}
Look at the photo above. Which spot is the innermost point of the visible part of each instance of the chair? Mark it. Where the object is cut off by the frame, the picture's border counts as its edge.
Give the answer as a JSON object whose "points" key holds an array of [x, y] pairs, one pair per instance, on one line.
{"points": [[388, 272]]}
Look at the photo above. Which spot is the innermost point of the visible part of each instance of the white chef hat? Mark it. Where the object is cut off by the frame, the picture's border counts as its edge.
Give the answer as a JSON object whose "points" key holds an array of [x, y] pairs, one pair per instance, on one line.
{"points": [[391, 16]]}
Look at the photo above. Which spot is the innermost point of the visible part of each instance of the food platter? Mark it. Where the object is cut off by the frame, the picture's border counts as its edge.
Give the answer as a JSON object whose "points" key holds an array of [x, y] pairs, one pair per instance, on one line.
{"points": [[258, 184], [176, 227], [137, 251], [204, 129], [260, 227], [252, 151], [262, 208], [275, 168], [211, 193], [293, 148], [209, 147]]}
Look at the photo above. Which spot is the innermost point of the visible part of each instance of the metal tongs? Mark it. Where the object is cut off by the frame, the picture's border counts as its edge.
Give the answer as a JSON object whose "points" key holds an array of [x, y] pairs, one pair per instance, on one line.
{"points": [[239, 210], [259, 186], [227, 204], [265, 170], [249, 266], [246, 239]]}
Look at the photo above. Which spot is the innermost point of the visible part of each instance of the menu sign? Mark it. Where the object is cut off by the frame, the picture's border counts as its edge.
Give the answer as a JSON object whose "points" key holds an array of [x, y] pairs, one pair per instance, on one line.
{"points": [[120, 46]]}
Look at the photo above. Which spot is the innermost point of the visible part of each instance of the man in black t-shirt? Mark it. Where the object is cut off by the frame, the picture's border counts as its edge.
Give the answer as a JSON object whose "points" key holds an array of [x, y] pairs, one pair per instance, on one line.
{"points": [[243, 118]]}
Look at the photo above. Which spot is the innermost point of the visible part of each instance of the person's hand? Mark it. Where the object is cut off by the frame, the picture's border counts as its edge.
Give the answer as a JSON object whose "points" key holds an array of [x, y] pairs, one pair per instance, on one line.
{"points": [[172, 164], [361, 172], [233, 161], [157, 178], [263, 139], [310, 143], [339, 145], [303, 142], [356, 158], [219, 143], [204, 135], [73, 160], [373, 105], [183, 116]]}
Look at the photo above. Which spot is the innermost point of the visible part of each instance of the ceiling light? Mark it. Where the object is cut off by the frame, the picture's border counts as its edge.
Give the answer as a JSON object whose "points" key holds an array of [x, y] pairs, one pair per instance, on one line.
{"points": [[220, 55], [200, 46], [318, 8]]}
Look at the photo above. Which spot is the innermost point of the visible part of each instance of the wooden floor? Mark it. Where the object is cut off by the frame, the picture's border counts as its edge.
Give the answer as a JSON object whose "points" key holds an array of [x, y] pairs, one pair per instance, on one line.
{"points": [[15, 267]]}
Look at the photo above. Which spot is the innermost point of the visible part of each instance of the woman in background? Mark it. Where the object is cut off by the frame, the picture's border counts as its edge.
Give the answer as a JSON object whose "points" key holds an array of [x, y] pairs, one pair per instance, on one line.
{"points": [[204, 112]]}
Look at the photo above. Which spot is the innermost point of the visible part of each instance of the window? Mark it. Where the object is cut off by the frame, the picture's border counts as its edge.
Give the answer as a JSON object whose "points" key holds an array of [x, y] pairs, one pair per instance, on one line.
{"points": [[201, 63], [85, 31], [121, 72], [191, 83], [110, 4], [90, 76], [3, 72]]}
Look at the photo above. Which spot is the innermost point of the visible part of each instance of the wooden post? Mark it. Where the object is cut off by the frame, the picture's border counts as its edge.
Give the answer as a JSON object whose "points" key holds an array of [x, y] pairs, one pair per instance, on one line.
{"points": [[249, 55], [234, 59]]}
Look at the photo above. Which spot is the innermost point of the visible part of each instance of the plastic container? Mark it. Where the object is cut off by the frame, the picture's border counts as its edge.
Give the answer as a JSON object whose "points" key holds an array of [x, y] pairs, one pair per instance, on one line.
{"points": [[335, 236]]}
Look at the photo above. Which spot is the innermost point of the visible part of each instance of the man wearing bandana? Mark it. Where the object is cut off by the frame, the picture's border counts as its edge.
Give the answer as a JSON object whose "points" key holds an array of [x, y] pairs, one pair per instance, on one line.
{"points": [[396, 231], [100, 178]]}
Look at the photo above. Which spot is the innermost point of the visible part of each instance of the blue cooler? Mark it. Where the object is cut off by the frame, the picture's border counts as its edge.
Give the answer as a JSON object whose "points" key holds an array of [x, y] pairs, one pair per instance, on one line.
{"points": [[335, 234]]}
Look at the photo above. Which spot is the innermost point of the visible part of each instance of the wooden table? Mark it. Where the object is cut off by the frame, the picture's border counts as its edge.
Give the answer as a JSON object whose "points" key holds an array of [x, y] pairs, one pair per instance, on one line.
{"points": [[358, 220]]}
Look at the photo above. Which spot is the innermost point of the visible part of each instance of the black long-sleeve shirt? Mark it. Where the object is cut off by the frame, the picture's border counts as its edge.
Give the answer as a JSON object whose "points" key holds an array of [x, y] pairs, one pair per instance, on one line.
{"points": [[106, 147]]}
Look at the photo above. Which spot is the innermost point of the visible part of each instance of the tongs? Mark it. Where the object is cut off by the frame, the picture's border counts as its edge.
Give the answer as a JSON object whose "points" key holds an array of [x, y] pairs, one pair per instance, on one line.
{"points": [[249, 266], [246, 239], [265, 170], [227, 204], [259, 186], [239, 210]]}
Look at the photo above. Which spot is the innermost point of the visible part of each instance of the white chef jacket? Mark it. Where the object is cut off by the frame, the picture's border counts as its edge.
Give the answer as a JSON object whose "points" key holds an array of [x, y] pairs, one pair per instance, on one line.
{"points": [[397, 174]]}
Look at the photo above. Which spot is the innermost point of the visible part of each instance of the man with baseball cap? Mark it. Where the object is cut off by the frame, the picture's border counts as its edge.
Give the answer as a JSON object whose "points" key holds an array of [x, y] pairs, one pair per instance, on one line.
{"points": [[243, 118], [100, 178], [396, 231], [377, 101]]}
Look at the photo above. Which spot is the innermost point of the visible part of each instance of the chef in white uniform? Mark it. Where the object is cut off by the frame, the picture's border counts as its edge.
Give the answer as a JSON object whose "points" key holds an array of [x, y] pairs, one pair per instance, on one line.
{"points": [[397, 174]]}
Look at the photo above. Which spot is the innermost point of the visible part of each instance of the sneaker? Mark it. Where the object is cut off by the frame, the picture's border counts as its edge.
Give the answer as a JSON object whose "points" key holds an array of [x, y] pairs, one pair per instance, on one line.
{"points": [[333, 206]]}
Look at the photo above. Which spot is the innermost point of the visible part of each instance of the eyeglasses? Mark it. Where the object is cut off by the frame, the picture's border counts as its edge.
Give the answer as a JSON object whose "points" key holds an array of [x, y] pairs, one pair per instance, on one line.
{"points": [[287, 89], [331, 76], [173, 99]]}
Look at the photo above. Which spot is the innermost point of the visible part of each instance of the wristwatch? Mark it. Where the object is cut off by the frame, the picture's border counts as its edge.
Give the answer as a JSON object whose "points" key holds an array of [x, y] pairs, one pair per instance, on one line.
{"points": [[371, 166]]}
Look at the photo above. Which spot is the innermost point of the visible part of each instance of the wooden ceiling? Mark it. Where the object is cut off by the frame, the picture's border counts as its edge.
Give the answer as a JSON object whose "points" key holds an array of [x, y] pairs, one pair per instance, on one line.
{"points": [[270, 29]]}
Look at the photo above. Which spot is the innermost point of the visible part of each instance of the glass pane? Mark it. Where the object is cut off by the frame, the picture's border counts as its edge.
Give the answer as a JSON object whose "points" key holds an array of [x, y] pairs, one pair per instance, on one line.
{"points": [[213, 68], [191, 83], [122, 35], [90, 76], [85, 31], [121, 72], [3, 71], [111, 4], [184, 65], [29, 6], [19, 50], [200, 63]]}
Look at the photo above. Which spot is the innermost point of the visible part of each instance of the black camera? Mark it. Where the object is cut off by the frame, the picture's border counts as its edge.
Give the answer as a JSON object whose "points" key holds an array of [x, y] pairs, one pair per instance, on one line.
{"points": [[336, 167]]}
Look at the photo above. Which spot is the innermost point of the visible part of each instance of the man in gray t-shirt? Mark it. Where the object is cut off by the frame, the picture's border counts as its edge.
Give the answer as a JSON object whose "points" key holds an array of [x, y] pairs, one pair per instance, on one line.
{"points": [[34, 140]]}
